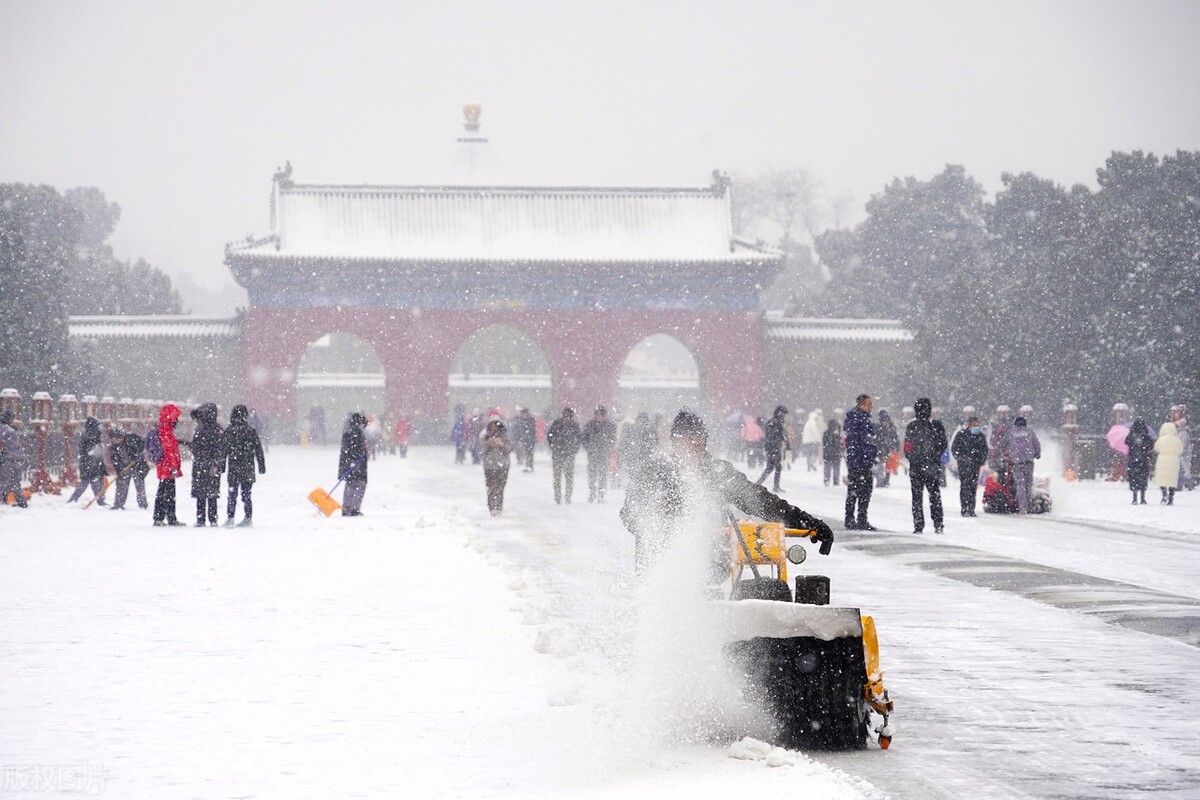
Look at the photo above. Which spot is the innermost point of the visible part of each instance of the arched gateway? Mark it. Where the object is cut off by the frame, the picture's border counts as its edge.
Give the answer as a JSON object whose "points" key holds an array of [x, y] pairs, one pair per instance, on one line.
{"points": [[587, 273]]}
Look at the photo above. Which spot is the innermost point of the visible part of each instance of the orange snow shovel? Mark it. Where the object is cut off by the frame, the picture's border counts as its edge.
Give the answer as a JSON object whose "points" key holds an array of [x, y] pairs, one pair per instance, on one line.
{"points": [[323, 500]]}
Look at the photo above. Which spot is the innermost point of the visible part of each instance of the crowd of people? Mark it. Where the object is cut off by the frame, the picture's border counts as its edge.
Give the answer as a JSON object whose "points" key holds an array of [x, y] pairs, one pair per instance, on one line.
{"points": [[998, 456], [112, 454]]}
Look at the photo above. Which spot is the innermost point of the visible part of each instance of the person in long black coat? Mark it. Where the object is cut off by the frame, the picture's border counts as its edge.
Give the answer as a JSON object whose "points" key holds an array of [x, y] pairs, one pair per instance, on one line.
{"points": [[599, 440], [564, 437], [924, 443], [775, 439], [208, 462], [244, 451], [91, 462], [970, 449], [1141, 446], [352, 464]]}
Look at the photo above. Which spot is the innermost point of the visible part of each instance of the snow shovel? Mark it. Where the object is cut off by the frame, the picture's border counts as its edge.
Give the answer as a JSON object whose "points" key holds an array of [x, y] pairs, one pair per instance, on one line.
{"points": [[323, 500], [107, 483]]}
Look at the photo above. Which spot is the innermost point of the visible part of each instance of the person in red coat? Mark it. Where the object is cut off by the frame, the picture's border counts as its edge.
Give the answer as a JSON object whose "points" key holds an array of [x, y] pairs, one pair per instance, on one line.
{"points": [[169, 466], [404, 432]]}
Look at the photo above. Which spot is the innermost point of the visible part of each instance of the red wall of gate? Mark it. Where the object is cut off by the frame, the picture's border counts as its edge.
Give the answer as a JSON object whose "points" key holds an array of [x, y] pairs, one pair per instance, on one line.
{"points": [[586, 350]]}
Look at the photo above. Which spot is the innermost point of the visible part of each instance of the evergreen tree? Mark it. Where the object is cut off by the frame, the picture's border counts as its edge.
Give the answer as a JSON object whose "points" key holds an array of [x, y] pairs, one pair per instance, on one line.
{"points": [[1146, 225], [103, 284], [38, 234]]}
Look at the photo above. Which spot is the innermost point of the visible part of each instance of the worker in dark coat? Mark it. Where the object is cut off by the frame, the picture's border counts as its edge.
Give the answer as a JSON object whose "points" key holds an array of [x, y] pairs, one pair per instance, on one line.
{"points": [[970, 450], [686, 483], [599, 440], [125, 450], [243, 452], [352, 464], [775, 439], [924, 443], [91, 462], [564, 437], [208, 462]]}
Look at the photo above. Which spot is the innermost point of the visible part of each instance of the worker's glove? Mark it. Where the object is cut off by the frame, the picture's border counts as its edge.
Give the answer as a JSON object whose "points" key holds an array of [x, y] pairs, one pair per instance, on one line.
{"points": [[821, 532]]}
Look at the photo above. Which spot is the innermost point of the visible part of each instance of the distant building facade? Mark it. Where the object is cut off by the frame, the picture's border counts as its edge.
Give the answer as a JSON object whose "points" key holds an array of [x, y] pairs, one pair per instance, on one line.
{"points": [[584, 272], [169, 358]]}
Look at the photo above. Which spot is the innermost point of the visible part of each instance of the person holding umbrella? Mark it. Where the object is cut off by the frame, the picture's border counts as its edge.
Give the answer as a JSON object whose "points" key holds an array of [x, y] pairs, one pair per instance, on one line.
{"points": [[1116, 437]]}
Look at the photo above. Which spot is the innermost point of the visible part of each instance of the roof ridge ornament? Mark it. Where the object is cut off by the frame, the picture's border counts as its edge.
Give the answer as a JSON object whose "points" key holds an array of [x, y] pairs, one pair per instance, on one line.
{"points": [[471, 114], [721, 182], [283, 176]]}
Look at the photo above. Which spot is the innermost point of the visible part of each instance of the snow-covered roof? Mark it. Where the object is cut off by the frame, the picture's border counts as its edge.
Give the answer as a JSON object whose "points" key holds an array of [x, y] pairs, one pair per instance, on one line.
{"points": [[817, 329], [145, 327], [502, 224]]}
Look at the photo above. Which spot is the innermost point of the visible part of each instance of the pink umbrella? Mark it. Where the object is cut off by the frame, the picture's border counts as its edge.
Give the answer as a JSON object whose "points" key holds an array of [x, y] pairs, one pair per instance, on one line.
{"points": [[1116, 438]]}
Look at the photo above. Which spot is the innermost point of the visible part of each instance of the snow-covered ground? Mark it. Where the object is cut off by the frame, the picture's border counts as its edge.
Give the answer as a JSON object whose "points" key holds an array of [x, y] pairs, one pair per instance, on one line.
{"points": [[430, 650]]}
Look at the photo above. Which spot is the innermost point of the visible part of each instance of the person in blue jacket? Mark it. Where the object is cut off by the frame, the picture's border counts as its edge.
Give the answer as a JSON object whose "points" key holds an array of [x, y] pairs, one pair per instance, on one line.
{"points": [[862, 450]]}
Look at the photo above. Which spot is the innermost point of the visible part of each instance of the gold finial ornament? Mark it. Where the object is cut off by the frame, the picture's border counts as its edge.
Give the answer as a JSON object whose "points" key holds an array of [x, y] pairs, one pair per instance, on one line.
{"points": [[471, 112]]}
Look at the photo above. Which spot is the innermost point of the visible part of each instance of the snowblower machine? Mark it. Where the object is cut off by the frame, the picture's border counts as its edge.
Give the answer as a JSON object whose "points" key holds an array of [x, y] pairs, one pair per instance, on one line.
{"points": [[816, 668]]}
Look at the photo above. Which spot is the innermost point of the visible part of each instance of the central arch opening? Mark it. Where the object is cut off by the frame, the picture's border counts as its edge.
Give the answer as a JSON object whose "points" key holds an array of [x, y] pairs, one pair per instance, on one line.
{"points": [[500, 366], [660, 375]]}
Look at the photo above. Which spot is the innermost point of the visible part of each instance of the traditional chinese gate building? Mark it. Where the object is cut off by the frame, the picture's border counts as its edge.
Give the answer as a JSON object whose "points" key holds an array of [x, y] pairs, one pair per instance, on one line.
{"points": [[585, 272]]}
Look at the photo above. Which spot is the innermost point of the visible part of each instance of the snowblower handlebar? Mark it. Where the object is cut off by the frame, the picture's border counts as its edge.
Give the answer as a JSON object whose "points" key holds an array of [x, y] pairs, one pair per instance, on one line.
{"points": [[825, 538]]}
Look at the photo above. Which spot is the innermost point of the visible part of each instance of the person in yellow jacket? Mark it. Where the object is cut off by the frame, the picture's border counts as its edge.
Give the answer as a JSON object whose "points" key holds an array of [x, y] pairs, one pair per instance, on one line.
{"points": [[1166, 471]]}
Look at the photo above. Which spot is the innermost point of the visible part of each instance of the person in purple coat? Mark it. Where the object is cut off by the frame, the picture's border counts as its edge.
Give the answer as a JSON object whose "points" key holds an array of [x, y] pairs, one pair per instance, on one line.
{"points": [[1019, 446]]}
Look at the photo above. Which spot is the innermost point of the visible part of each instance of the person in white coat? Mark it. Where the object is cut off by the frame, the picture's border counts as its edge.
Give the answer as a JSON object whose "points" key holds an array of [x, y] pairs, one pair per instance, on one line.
{"points": [[1166, 470], [814, 430], [1179, 417]]}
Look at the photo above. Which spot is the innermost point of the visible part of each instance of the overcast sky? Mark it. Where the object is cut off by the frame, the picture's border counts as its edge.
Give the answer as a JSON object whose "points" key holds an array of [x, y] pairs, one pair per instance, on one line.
{"points": [[180, 112]]}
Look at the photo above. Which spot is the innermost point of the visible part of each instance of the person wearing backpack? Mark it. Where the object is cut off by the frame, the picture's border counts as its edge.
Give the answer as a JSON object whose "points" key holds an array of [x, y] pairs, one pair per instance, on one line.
{"points": [[924, 443], [164, 452]]}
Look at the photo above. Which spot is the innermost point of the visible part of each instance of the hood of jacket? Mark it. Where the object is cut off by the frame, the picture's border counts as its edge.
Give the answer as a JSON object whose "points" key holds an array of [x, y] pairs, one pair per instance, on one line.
{"points": [[206, 412], [923, 408], [239, 414], [1168, 429], [169, 414]]}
